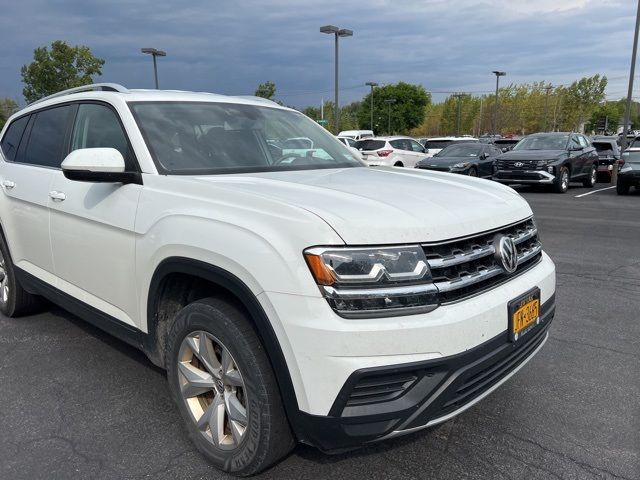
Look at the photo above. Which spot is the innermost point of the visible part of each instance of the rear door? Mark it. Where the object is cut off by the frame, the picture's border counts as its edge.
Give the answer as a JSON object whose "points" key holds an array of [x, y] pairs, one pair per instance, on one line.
{"points": [[32, 155], [92, 224]]}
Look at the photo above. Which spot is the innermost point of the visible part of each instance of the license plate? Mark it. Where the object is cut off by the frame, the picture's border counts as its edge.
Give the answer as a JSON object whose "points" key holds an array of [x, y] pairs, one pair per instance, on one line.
{"points": [[524, 314]]}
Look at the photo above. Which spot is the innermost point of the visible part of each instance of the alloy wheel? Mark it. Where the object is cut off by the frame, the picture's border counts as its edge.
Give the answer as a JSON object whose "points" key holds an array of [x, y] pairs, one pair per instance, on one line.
{"points": [[213, 390], [565, 180]]}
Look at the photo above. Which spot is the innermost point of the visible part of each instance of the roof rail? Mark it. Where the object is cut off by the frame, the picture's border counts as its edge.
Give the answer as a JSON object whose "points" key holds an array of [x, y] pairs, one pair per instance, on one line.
{"points": [[92, 87]]}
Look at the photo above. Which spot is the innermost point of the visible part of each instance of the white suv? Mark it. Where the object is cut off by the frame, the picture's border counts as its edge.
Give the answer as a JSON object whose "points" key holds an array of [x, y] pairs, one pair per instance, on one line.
{"points": [[292, 295], [391, 151]]}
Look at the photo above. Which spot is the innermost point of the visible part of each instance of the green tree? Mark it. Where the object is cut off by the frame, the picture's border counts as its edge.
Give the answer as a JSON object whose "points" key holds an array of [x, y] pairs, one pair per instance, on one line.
{"points": [[7, 108], [407, 110], [266, 90], [348, 115], [58, 68], [611, 111]]}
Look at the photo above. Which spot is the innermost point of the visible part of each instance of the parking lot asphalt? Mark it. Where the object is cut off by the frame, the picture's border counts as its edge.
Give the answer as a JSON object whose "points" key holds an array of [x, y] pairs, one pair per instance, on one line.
{"points": [[76, 403]]}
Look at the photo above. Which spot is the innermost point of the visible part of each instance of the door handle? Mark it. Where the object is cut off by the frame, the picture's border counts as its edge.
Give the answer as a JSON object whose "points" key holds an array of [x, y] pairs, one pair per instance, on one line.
{"points": [[8, 184], [57, 196]]}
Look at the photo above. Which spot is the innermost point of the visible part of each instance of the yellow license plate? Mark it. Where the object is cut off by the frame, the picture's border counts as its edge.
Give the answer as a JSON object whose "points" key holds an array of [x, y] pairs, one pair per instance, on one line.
{"points": [[524, 313]]}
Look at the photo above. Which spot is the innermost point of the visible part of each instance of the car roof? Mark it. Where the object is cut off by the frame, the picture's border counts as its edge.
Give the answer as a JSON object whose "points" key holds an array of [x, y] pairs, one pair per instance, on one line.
{"points": [[146, 95], [438, 139], [551, 134], [392, 137]]}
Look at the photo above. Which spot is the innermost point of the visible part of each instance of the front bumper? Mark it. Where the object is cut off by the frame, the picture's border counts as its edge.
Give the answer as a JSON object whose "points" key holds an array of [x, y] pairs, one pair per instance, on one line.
{"points": [[442, 389], [524, 176]]}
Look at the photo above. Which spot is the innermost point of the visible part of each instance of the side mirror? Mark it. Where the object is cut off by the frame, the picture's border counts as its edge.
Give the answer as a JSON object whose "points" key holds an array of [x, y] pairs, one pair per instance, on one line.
{"points": [[483, 156], [426, 150], [99, 165]]}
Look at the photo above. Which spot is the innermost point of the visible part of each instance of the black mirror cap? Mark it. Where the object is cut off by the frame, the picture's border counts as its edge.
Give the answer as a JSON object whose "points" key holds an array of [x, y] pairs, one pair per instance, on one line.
{"points": [[103, 177]]}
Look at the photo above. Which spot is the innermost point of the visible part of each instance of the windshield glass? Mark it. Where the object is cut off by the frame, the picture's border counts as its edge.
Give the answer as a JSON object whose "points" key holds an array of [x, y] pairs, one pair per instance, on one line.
{"points": [[543, 142], [198, 138], [465, 150]]}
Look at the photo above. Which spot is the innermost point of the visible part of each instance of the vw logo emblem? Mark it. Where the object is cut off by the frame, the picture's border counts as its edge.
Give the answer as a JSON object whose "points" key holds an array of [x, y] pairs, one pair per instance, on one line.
{"points": [[518, 164], [506, 253]]}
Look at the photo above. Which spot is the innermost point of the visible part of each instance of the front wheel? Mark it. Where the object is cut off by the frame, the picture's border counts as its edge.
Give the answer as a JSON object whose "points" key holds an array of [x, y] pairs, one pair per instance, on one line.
{"points": [[591, 180], [473, 172], [561, 184], [622, 188], [226, 391]]}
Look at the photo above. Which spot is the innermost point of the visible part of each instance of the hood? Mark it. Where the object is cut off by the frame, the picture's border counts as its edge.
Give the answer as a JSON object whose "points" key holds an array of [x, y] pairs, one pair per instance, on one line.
{"points": [[387, 205], [447, 161], [532, 154]]}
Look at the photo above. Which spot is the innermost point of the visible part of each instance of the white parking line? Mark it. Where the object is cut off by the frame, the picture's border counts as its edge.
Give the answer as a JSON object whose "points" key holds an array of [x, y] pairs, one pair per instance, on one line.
{"points": [[594, 191]]}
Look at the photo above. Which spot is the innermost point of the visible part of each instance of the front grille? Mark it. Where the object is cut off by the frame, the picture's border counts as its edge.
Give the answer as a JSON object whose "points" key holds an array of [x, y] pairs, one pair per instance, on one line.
{"points": [[522, 164], [476, 383], [380, 388], [466, 267]]}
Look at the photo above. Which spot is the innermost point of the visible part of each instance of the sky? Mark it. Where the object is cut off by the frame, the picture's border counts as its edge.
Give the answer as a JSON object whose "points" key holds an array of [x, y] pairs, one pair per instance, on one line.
{"points": [[230, 46]]}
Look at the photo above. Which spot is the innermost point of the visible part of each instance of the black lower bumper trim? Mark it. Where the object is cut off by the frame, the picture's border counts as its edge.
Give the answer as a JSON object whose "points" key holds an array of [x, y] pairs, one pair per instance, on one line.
{"points": [[441, 387]]}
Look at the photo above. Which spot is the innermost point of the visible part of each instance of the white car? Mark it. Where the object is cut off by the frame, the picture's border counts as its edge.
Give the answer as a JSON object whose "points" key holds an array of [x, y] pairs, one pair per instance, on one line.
{"points": [[356, 134], [391, 151], [294, 296], [435, 144], [350, 144]]}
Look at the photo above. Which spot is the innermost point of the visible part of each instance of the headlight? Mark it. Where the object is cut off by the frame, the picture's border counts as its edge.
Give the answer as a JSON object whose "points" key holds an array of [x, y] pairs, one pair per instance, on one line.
{"points": [[461, 165], [373, 282]]}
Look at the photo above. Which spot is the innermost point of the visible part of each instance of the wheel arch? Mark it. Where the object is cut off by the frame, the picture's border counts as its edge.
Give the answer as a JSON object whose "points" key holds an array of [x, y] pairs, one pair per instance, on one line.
{"points": [[241, 294]]}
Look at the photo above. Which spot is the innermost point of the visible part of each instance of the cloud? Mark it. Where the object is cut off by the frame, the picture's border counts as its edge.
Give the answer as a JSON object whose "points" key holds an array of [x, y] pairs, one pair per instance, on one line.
{"points": [[230, 47]]}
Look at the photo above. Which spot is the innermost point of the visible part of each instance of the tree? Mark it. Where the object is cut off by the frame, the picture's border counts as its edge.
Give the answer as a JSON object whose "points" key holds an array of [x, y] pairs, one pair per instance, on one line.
{"points": [[407, 110], [7, 108], [58, 68], [266, 90], [348, 115]]}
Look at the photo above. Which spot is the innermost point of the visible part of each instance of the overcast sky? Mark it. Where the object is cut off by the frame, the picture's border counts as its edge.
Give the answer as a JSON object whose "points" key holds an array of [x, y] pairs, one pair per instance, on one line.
{"points": [[230, 47]]}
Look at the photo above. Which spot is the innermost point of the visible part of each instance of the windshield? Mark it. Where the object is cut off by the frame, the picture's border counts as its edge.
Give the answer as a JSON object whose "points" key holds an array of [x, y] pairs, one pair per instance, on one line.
{"points": [[198, 138], [468, 150], [548, 142]]}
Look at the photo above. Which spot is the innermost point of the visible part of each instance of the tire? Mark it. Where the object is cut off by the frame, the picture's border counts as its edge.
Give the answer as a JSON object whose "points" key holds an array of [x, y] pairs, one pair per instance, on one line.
{"points": [[15, 301], [561, 184], [591, 180], [473, 172], [255, 433], [622, 188], [398, 164]]}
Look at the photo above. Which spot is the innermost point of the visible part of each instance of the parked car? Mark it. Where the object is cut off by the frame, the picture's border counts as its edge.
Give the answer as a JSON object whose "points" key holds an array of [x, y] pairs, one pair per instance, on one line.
{"points": [[421, 140], [350, 144], [553, 159], [434, 145], [506, 144], [473, 159], [356, 134], [628, 171], [295, 298], [390, 151], [608, 153]]}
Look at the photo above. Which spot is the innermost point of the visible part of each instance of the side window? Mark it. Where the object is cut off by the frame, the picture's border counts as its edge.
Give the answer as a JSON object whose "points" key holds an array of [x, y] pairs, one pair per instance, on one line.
{"points": [[574, 142], [397, 144], [46, 140], [416, 147], [98, 126], [12, 137], [583, 141]]}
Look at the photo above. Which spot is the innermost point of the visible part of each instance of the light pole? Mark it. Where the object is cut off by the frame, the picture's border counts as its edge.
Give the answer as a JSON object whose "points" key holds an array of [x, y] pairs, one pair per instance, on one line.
{"points": [[627, 109], [389, 101], [337, 32], [155, 53], [498, 74], [372, 85], [548, 88], [458, 111]]}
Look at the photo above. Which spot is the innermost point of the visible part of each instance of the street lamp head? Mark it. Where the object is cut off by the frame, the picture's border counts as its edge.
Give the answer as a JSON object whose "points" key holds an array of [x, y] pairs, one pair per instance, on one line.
{"points": [[329, 29], [498, 73], [154, 51], [344, 32], [371, 84]]}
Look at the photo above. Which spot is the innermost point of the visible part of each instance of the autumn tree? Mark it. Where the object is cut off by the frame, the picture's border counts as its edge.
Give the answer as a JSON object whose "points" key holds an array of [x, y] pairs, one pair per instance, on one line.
{"points": [[7, 108]]}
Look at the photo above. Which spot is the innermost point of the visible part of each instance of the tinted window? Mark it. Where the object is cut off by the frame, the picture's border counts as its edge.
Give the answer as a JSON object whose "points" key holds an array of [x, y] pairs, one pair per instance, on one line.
{"points": [[46, 140], [437, 143], [12, 138], [604, 147], [462, 150], [98, 126], [370, 144]]}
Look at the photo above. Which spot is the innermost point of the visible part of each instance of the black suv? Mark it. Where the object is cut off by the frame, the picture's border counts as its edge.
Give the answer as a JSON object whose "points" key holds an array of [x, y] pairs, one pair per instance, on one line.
{"points": [[549, 159]]}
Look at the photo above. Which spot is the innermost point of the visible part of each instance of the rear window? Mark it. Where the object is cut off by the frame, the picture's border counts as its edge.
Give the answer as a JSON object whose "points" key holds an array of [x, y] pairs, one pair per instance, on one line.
{"points": [[603, 147], [505, 142], [12, 138], [370, 144], [437, 143]]}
